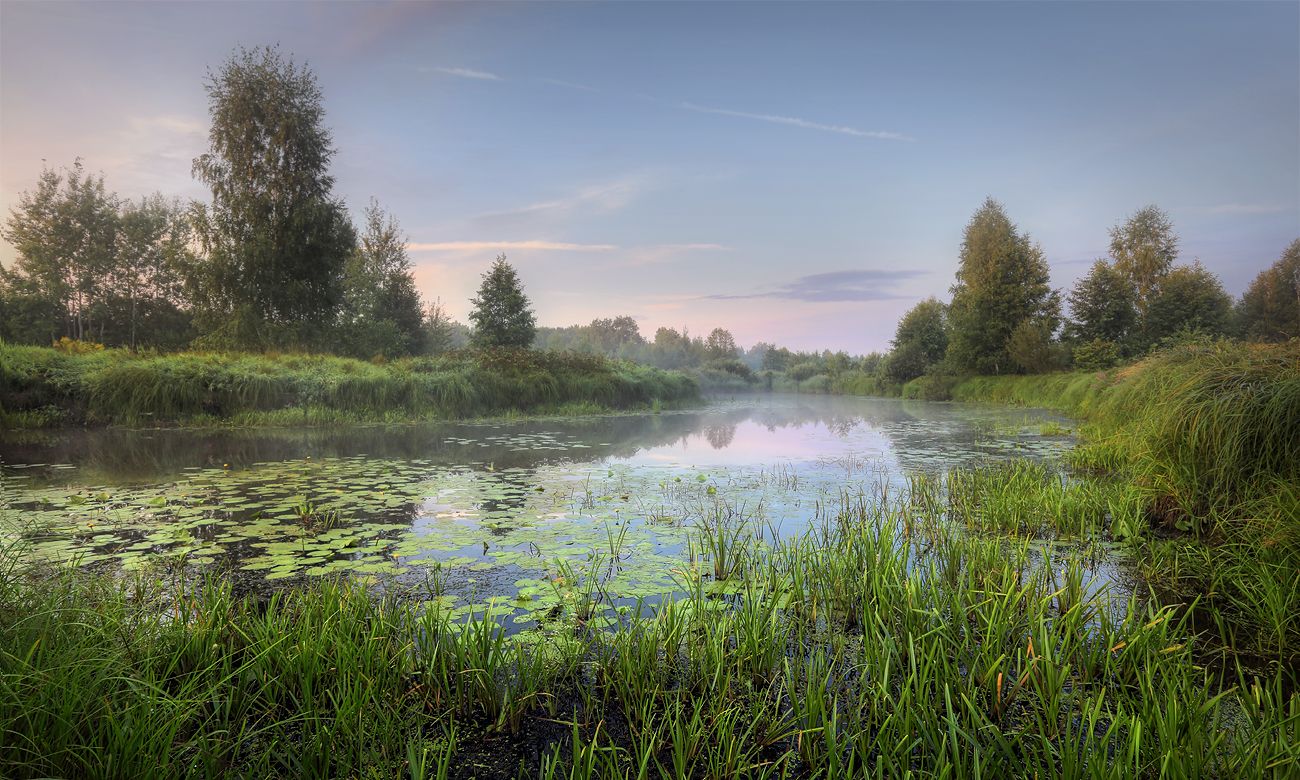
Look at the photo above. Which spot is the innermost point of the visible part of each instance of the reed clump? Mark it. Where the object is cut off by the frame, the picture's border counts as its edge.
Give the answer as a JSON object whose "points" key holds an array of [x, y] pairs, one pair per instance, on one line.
{"points": [[870, 645], [1209, 436], [43, 386]]}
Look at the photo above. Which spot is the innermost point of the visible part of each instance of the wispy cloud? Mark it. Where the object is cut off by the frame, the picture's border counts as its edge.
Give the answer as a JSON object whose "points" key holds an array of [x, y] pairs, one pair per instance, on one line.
{"points": [[465, 73], [663, 253], [834, 287], [568, 84], [1245, 208], [603, 197], [696, 247], [793, 121], [500, 246]]}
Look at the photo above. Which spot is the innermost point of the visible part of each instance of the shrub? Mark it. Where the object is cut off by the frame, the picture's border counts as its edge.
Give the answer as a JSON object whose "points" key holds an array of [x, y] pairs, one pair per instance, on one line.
{"points": [[1096, 355]]}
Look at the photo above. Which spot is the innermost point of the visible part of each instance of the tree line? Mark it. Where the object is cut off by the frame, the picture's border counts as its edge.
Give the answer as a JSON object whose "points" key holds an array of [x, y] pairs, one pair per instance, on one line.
{"points": [[271, 261], [1004, 317]]}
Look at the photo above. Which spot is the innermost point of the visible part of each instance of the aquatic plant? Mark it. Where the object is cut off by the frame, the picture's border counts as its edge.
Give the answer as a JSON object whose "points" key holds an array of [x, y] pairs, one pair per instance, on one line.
{"points": [[850, 649]]}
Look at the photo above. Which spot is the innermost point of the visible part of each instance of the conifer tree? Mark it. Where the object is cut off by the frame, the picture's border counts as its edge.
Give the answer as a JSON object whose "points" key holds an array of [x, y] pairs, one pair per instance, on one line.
{"points": [[502, 314]]}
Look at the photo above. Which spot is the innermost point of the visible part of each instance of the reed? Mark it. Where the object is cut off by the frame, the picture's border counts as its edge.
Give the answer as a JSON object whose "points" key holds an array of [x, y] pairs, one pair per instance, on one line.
{"points": [[41, 386], [857, 648], [1207, 436]]}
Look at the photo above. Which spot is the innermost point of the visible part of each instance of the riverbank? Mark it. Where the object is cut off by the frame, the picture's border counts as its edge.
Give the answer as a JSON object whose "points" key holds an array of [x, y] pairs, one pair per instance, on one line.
{"points": [[887, 639], [960, 625], [1210, 436], [43, 387]]}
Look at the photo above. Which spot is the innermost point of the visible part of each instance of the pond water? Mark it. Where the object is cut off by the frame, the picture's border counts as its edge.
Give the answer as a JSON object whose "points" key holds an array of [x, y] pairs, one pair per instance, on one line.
{"points": [[489, 509]]}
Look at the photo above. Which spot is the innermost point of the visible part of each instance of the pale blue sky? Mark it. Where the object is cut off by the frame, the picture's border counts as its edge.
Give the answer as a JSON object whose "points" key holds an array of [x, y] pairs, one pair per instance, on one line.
{"points": [[800, 173]]}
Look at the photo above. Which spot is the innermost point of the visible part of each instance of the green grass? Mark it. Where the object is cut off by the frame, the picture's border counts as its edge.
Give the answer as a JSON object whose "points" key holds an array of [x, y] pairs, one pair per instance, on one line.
{"points": [[1209, 438], [44, 387], [873, 645]]}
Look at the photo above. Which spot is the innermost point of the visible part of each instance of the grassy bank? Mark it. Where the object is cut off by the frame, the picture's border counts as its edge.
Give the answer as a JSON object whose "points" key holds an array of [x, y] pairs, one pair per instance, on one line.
{"points": [[44, 387], [887, 642], [1210, 436]]}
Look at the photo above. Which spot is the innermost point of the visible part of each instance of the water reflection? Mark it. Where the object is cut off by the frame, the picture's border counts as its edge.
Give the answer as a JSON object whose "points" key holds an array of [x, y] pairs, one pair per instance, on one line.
{"points": [[914, 434], [489, 504]]}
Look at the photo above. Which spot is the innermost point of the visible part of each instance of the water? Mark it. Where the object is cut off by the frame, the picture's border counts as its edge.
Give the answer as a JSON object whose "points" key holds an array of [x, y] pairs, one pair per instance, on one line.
{"points": [[484, 509]]}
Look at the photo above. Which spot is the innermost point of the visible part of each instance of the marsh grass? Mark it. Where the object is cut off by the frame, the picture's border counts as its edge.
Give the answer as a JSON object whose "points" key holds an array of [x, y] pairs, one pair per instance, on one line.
{"points": [[871, 645], [41, 385], [1208, 438]]}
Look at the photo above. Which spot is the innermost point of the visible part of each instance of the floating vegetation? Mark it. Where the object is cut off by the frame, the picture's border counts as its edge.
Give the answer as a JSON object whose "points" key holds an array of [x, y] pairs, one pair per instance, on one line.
{"points": [[856, 643], [498, 509]]}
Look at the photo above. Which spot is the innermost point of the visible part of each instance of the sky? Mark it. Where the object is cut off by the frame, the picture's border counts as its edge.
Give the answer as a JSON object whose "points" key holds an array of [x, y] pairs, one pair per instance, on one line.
{"points": [[797, 173]]}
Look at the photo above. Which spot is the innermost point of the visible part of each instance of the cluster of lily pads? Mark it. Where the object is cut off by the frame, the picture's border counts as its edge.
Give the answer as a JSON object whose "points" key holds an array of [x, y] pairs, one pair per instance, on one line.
{"points": [[527, 538]]}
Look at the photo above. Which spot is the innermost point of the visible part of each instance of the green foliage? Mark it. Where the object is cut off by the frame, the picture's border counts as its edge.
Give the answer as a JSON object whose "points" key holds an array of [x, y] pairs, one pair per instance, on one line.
{"points": [[920, 340], [502, 315], [803, 370], [1103, 306], [381, 312], [720, 345], [65, 234], [1207, 432], [930, 387], [440, 333], [1270, 307], [274, 239], [1144, 248], [1032, 348], [111, 386], [1002, 281], [1096, 355], [1190, 298]]}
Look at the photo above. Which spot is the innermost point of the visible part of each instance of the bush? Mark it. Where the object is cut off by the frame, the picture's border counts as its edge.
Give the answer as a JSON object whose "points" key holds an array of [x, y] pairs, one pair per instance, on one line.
{"points": [[69, 346], [1096, 355], [1032, 348], [931, 387], [801, 371]]}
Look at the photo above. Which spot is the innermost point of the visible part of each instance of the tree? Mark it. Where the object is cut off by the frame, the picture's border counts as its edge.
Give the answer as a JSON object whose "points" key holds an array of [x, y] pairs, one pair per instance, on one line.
{"points": [[1002, 281], [608, 335], [65, 233], [777, 359], [1190, 299], [148, 301], [1103, 305], [1144, 248], [1032, 348], [670, 349], [439, 331], [502, 315], [926, 323], [381, 312], [906, 361], [720, 345], [1270, 308], [274, 238], [1096, 355], [920, 340]]}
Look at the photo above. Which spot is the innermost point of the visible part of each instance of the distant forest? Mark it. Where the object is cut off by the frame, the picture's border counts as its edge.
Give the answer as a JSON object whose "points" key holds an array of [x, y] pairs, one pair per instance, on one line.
{"points": [[274, 262]]}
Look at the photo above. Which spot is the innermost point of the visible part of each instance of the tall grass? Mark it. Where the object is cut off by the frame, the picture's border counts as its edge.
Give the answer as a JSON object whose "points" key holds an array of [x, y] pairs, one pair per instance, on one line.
{"points": [[870, 646], [1210, 437], [44, 386]]}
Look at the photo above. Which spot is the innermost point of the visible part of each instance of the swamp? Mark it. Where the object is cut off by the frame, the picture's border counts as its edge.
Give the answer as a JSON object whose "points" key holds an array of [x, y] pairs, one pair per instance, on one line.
{"points": [[766, 586], [432, 390]]}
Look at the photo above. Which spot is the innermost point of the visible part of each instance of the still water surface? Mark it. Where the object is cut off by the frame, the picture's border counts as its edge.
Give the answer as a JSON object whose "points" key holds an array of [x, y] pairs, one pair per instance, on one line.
{"points": [[494, 509]]}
